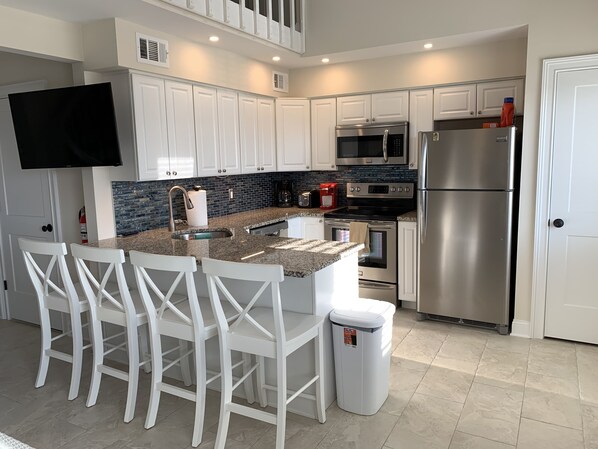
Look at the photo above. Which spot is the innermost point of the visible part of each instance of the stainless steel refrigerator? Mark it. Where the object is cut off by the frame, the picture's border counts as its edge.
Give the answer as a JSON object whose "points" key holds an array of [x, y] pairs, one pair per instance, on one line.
{"points": [[465, 223]]}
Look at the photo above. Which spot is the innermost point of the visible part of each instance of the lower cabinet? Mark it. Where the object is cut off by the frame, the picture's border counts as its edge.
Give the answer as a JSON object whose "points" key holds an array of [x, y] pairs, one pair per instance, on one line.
{"points": [[407, 242], [309, 228]]}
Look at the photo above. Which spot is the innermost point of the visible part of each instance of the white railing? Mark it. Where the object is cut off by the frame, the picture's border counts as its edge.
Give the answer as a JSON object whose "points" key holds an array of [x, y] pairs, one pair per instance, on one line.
{"points": [[281, 22]]}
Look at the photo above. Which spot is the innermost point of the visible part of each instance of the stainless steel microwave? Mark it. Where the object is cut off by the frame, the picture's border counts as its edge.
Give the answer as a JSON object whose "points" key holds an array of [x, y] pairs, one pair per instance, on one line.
{"points": [[384, 144]]}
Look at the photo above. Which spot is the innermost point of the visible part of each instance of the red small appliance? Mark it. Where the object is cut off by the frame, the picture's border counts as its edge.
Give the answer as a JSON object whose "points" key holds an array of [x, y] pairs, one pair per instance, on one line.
{"points": [[328, 195]]}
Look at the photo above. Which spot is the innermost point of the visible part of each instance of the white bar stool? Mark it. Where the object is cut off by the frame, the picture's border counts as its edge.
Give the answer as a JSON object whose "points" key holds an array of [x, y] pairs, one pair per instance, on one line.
{"points": [[51, 297], [181, 317], [118, 306], [265, 332]]}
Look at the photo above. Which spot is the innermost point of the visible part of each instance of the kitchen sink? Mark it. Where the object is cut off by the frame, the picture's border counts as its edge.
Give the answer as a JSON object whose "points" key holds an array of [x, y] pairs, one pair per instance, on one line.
{"points": [[202, 235]]}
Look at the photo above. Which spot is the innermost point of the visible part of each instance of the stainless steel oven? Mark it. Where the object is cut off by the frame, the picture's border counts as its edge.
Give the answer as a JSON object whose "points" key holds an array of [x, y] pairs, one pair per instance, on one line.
{"points": [[378, 205]]}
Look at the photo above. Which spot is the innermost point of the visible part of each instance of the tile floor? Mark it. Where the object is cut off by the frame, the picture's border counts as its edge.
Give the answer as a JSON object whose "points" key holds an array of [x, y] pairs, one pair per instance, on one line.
{"points": [[451, 387]]}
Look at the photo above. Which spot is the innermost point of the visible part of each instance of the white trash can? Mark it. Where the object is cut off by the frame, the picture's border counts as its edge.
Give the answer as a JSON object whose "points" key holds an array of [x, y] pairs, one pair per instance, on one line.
{"points": [[362, 336]]}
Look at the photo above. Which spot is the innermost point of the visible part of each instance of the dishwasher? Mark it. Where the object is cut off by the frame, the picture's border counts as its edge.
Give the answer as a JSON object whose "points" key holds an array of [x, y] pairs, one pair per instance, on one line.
{"points": [[278, 229]]}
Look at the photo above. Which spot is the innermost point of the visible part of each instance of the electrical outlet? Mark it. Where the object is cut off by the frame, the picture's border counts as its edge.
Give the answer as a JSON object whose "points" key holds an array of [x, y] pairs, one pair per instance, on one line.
{"points": [[231, 194]]}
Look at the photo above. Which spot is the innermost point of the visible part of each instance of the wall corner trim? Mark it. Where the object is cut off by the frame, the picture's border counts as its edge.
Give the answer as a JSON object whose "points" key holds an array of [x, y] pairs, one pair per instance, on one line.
{"points": [[521, 328]]}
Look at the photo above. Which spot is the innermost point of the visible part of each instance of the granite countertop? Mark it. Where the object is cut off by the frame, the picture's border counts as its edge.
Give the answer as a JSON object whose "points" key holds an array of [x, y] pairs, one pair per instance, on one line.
{"points": [[409, 216], [299, 258]]}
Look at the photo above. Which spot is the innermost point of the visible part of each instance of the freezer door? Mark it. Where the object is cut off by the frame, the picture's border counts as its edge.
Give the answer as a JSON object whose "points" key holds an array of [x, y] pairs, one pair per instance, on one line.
{"points": [[468, 159], [464, 254]]}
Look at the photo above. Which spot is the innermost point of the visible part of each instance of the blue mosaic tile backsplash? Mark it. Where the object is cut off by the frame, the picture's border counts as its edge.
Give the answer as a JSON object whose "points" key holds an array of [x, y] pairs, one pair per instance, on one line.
{"points": [[139, 206]]}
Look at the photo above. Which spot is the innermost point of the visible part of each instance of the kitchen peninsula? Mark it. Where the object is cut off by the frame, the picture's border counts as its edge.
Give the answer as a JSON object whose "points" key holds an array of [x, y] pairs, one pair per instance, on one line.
{"points": [[319, 275]]}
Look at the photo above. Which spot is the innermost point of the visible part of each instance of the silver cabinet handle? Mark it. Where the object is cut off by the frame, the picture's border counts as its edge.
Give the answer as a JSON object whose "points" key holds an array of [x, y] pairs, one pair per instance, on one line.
{"points": [[471, 113], [219, 171], [307, 166], [168, 173], [174, 173], [224, 170], [385, 145]]}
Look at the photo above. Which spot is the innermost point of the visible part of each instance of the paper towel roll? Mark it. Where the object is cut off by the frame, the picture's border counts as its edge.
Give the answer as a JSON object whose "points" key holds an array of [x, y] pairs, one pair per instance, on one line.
{"points": [[198, 216]]}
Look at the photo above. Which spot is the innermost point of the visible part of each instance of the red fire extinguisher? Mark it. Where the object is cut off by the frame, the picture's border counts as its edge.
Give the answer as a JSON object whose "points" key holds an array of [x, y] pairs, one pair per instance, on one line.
{"points": [[83, 225]]}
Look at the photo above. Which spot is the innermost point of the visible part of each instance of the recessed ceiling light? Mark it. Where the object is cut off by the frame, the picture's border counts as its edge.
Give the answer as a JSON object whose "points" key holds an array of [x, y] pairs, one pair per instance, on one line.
{"points": [[325, 60], [214, 38], [428, 46], [276, 58]]}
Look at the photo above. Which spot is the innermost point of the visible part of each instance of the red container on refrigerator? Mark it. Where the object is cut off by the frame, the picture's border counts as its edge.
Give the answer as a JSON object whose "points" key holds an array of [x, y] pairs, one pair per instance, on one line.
{"points": [[328, 195]]}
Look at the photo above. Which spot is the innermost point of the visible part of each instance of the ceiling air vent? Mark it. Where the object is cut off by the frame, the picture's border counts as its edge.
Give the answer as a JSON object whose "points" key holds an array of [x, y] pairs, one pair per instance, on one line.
{"points": [[151, 50], [280, 82]]}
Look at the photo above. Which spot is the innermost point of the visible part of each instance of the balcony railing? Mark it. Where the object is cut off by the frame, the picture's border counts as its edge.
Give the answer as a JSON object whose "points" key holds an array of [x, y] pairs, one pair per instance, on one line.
{"points": [[278, 21]]}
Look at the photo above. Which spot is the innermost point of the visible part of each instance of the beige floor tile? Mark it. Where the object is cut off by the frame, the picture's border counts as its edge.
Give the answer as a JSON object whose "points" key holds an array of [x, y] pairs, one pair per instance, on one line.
{"points": [[446, 383], [590, 426], [547, 360], [492, 412], [48, 434], [426, 423], [459, 354], [539, 435], [502, 369], [402, 385], [552, 346], [465, 441], [587, 365], [509, 344], [419, 346]]}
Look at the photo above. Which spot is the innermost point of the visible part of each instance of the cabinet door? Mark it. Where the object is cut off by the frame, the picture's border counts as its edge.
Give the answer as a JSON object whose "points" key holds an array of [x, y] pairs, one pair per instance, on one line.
{"points": [[421, 118], [248, 130], [407, 242], [323, 139], [353, 109], [205, 105], [454, 102], [266, 134], [313, 228], [151, 133], [228, 127], [292, 135], [295, 229], [390, 107], [490, 97], [181, 129]]}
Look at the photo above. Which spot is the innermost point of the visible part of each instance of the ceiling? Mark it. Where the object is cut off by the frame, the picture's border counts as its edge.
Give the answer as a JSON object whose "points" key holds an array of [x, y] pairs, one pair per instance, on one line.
{"points": [[169, 19]]}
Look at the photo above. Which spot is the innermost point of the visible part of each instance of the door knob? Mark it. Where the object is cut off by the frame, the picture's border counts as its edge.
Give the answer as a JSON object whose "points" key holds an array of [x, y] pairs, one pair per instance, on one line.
{"points": [[558, 223], [47, 228]]}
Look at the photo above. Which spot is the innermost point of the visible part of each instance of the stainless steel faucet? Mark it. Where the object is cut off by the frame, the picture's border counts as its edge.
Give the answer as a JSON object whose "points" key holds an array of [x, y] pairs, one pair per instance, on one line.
{"points": [[171, 225]]}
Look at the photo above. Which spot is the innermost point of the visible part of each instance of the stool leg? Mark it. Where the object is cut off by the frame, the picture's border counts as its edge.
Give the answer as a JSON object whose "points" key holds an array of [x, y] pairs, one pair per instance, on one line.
{"points": [[226, 396], [248, 384], [320, 406], [261, 381], [144, 348], [46, 344], [281, 410], [133, 350], [200, 395], [152, 410], [185, 367], [77, 354], [97, 340]]}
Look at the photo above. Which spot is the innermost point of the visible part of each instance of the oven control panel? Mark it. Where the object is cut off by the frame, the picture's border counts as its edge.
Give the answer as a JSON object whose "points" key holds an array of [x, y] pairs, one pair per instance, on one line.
{"points": [[377, 190]]}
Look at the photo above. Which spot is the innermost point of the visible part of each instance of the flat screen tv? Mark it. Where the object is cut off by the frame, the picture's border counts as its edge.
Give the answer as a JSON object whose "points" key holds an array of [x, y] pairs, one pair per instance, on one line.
{"points": [[67, 127]]}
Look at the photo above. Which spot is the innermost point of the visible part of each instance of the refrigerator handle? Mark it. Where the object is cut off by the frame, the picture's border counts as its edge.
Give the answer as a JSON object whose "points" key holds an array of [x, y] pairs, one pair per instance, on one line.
{"points": [[423, 167], [423, 215], [385, 145]]}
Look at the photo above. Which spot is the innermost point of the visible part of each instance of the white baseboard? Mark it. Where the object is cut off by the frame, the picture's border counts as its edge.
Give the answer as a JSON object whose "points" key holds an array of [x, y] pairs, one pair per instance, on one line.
{"points": [[521, 328]]}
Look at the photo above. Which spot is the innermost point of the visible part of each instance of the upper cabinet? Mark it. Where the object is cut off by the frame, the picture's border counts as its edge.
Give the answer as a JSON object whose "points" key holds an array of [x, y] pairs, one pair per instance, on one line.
{"points": [[257, 134], [164, 129], [217, 131], [476, 100], [379, 108], [293, 134], [421, 118], [323, 136]]}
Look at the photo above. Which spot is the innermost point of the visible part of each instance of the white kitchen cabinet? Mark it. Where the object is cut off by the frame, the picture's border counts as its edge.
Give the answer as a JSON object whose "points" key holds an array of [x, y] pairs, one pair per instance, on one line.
{"points": [[379, 108], [476, 100], [293, 134], [490, 97], [421, 118], [323, 138], [257, 134], [164, 131], [217, 131], [407, 242], [309, 228]]}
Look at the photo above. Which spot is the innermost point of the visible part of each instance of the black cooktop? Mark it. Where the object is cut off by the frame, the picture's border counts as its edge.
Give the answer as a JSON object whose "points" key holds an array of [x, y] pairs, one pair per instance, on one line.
{"points": [[368, 213]]}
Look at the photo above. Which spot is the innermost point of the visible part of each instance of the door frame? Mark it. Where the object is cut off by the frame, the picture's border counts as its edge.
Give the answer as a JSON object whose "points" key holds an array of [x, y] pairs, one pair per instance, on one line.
{"points": [[4, 91], [551, 68]]}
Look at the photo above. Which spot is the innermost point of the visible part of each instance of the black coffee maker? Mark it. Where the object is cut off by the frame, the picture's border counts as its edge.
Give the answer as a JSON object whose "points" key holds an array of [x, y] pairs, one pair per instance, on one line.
{"points": [[283, 194]]}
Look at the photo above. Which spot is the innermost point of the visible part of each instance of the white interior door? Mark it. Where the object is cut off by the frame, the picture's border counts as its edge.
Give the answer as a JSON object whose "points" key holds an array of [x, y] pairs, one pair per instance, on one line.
{"points": [[572, 281], [25, 206]]}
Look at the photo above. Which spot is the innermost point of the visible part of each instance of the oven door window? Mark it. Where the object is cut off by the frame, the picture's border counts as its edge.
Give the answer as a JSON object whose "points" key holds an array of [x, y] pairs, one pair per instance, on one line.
{"points": [[378, 255], [369, 146]]}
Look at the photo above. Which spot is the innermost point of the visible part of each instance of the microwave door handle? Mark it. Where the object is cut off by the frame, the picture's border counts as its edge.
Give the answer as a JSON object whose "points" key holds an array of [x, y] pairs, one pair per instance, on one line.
{"points": [[385, 145]]}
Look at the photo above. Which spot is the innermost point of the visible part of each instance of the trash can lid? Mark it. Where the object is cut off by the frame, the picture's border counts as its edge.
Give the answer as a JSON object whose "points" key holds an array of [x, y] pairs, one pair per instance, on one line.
{"points": [[364, 313]]}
